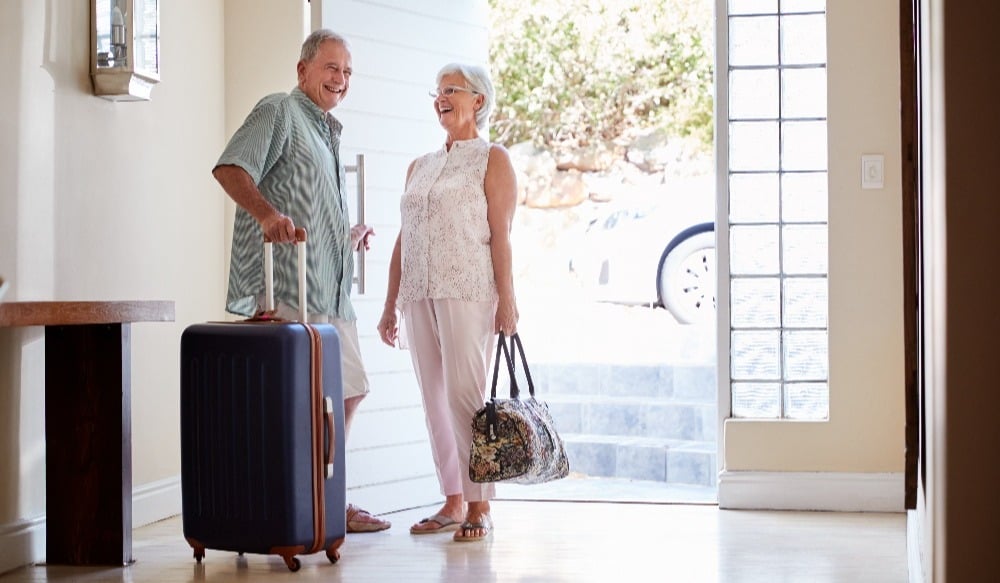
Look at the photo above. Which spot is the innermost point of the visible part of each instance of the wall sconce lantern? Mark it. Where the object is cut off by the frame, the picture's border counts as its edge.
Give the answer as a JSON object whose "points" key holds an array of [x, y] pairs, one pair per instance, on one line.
{"points": [[125, 54]]}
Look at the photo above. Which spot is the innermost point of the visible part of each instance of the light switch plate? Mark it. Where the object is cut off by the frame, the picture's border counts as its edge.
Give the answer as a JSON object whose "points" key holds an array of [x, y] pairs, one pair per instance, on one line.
{"points": [[872, 171]]}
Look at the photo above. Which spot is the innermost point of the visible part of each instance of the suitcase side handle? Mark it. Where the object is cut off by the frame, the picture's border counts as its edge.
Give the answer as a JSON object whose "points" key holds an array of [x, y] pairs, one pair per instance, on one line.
{"points": [[300, 243], [331, 437]]}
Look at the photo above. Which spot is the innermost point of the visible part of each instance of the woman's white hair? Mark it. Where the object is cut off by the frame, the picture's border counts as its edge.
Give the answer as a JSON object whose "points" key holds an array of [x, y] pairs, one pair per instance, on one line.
{"points": [[479, 81]]}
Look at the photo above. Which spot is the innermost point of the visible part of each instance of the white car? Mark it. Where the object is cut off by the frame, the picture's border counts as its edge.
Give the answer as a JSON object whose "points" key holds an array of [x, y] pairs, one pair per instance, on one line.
{"points": [[659, 252]]}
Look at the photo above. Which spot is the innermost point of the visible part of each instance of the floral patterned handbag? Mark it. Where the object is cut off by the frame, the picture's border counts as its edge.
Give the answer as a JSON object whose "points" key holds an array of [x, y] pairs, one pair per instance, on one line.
{"points": [[515, 440]]}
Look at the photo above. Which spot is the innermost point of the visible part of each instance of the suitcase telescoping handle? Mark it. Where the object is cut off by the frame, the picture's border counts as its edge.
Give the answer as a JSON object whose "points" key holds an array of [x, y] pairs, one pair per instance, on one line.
{"points": [[300, 243]]}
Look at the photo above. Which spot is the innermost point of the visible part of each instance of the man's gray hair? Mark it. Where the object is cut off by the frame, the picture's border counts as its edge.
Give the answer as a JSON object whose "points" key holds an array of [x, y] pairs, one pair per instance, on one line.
{"points": [[479, 81], [311, 45]]}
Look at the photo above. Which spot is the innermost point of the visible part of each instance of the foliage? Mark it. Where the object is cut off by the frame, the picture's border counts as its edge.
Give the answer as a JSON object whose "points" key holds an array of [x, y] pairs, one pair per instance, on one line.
{"points": [[579, 73]]}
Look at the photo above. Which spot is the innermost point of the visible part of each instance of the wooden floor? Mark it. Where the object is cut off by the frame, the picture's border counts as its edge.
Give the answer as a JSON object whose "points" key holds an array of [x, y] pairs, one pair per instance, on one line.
{"points": [[555, 542]]}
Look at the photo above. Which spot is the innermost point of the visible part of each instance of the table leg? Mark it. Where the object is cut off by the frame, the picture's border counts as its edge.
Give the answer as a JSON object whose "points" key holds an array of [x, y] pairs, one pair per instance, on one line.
{"points": [[88, 440]]}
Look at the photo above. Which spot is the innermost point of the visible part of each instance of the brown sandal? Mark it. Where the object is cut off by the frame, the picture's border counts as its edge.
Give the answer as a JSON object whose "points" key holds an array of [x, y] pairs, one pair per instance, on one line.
{"points": [[444, 524], [359, 520]]}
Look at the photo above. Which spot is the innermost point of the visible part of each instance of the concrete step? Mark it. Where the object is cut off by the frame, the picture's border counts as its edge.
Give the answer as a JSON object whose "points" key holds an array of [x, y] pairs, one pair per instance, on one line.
{"points": [[658, 418], [659, 460], [691, 383]]}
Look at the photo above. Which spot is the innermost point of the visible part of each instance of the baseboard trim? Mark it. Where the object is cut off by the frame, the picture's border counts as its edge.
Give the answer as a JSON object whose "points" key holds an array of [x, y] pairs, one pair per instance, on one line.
{"points": [[834, 491], [155, 501], [23, 542], [914, 538]]}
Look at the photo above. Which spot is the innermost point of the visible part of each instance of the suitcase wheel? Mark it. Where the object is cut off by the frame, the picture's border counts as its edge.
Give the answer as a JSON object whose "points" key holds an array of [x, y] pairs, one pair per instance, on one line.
{"points": [[333, 555], [292, 563], [199, 554]]}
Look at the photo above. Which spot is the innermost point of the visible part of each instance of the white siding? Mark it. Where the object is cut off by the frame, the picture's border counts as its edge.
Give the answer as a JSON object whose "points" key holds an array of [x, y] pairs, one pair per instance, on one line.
{"points": [[397, 47]]}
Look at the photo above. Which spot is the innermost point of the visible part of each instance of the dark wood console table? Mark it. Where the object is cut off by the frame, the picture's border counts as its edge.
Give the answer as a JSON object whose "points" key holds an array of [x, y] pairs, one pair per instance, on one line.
{"points": [[88, 424]]}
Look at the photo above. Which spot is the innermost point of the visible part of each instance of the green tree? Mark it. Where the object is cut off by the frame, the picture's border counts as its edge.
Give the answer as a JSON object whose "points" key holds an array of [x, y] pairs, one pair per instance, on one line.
{"points": [[577, 73]]}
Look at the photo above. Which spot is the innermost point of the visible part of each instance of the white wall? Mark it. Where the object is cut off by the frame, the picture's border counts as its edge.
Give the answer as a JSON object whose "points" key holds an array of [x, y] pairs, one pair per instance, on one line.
{"points": [[103, 201], [864, 434]]}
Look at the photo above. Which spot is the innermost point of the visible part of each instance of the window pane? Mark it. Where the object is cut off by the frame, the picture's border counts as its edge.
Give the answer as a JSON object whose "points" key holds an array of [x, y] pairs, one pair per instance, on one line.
{"points": [[756, 400], [753, 250], [807, 401], [803, 92], [753, 40], [753, 6], [805, 355], [753, 94], [753, 198], [805, 302], [804, 197], [804, 249], [803, 39], [792, 6], [755, 303], [755, 355], [753, 145], [803, 145]]}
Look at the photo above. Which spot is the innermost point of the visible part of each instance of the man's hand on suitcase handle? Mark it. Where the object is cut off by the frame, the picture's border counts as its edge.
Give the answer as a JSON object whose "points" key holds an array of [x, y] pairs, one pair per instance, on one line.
{"points": [[280, 229]]}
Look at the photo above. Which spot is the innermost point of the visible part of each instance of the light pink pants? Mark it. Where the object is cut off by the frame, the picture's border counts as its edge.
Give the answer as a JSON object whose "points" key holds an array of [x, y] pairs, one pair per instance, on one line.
{"points": [[451, 343]]}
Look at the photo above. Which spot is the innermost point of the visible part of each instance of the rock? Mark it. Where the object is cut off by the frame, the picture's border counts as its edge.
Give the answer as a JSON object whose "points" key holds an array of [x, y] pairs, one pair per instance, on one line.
{"points": [[564, 189]]}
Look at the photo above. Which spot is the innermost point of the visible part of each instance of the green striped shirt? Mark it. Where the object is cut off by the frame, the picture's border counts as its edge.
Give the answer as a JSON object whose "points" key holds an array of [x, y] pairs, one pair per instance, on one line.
{"points": [[291, 149]]}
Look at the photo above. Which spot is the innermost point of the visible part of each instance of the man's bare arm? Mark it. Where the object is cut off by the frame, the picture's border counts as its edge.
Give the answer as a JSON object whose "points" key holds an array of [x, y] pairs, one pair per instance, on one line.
{"points": [[241, 188]]}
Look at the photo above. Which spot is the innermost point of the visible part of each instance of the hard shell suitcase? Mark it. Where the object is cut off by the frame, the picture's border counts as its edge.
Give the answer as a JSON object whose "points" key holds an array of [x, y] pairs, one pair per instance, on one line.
{"points": [[262, 435]]}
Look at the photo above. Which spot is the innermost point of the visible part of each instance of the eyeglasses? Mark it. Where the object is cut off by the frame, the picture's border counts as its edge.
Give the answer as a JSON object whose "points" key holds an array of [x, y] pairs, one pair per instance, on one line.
{"points": [[449, 91]]}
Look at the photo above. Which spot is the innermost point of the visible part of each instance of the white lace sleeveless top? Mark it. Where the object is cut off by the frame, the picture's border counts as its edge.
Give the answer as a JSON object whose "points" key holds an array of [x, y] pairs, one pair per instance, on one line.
{"points": [[445, 240]]}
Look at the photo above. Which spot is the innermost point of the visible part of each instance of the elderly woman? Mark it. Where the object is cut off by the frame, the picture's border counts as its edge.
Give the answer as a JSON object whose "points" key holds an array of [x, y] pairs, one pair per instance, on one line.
{"points": [[451, 277]]}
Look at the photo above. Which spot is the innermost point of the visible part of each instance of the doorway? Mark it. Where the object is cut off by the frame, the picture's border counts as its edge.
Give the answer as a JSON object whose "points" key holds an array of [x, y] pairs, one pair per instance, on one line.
{"points": [[614, 238]]}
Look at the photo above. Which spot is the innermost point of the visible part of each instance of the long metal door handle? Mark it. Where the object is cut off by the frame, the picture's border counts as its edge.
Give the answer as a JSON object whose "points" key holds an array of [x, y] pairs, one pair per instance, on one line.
{"points": [[359, 168]]}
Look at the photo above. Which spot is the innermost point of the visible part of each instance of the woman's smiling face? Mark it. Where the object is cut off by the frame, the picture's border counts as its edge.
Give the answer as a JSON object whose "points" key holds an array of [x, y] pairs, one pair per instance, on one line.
{"points": [[457, 110], [326, 78]]}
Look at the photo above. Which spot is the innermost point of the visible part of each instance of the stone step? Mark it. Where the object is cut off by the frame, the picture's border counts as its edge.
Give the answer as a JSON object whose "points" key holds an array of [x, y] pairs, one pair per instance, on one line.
{"points": [[637, 458], [691, 383], [640, 417]]}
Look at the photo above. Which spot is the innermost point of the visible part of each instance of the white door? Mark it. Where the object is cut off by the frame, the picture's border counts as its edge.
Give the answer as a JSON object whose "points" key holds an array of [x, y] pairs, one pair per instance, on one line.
{"points": [[397, 47]]}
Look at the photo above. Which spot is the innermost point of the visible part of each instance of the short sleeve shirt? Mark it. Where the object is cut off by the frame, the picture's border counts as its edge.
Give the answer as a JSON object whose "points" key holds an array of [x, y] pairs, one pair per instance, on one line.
{"points": [[445, 235], [291, 150]]}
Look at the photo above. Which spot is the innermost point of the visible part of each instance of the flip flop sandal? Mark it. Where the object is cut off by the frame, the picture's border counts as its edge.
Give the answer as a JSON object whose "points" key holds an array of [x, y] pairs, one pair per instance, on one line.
{"points": [[446, 524], [486, 524]]}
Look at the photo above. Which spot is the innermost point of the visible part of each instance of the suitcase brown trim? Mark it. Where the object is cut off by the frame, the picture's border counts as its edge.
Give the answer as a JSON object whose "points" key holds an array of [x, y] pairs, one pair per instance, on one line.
{"points": [[319, 455]]}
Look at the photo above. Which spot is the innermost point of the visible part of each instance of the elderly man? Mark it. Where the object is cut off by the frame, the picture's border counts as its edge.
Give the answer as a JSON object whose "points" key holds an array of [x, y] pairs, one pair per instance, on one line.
{"points": [[282, 168]]}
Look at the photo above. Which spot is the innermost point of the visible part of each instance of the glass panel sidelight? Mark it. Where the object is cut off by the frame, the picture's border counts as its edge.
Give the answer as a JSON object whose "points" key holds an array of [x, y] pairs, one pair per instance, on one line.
{"points": [[757, 400], [804, 302], [804, 197], [777, 209], [756, 302], [754, 145], [753, 94], [807, 401], [753, 198], [803, 92], [803, 39], [753, 41]]}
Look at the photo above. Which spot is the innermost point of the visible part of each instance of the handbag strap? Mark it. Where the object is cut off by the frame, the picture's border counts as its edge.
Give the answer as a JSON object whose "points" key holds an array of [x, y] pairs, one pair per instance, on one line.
{"points": [[515, 347], [502, 347]]}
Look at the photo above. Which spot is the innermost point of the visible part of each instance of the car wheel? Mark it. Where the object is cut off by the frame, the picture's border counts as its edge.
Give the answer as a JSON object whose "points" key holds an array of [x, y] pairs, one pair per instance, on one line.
{"points": [[685, 278]]}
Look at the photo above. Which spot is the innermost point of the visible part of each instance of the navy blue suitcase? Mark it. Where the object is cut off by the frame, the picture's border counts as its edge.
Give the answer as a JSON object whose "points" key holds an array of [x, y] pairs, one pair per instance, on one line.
{"points": [[262, 438]]}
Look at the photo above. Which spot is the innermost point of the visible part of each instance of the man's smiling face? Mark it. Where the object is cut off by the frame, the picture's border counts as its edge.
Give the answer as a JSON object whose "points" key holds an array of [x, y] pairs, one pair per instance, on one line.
{"points": [[326, 78]]}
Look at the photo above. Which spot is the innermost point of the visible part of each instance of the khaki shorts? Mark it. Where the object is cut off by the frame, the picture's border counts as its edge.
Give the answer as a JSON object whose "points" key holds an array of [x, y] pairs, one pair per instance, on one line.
{"points": [[355, 378]]}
